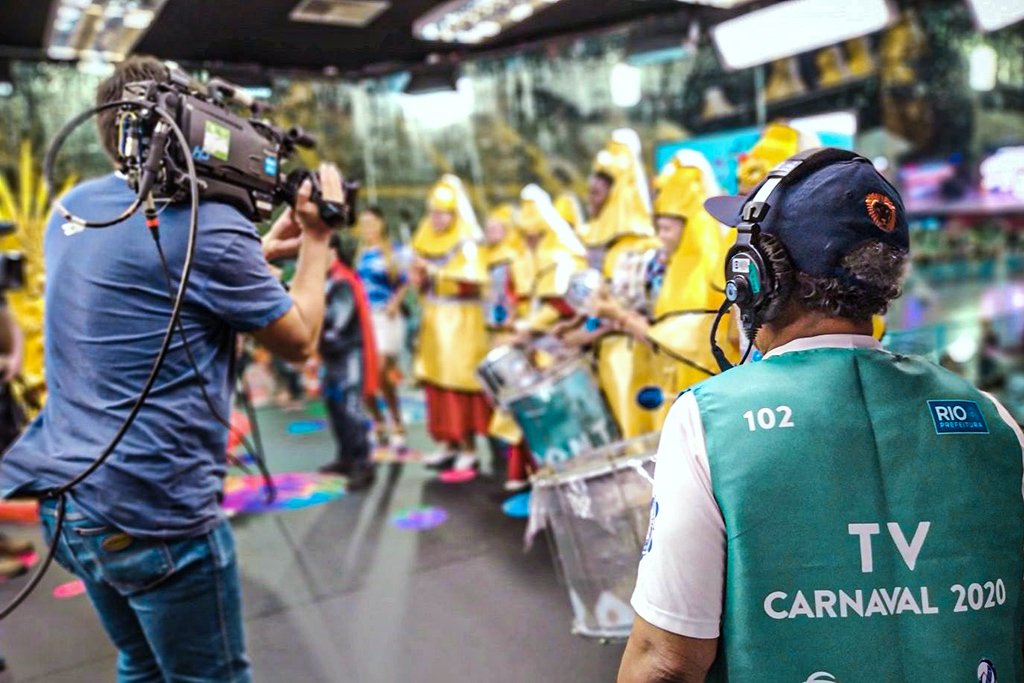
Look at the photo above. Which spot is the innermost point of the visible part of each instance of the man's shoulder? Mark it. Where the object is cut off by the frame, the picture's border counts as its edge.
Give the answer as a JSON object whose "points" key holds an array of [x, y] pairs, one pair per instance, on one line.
{"points": [[91, 189]]}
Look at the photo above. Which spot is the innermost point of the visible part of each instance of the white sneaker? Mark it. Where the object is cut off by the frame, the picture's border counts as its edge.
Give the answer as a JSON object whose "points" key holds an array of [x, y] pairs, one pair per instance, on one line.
{"points": [[465, 461], [516, 485], [398, 441]]}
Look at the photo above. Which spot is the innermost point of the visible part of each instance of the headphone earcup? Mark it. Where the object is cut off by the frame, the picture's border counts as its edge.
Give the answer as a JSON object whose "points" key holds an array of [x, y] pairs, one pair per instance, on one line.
{"points": [[747, 282]]}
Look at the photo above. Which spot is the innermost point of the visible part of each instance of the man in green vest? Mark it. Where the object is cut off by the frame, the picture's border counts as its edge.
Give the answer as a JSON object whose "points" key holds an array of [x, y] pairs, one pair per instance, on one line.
{"points": [[833, 513]]}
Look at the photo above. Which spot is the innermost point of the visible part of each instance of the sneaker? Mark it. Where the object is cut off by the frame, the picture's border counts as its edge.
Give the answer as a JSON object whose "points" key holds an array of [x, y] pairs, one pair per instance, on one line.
{"points": [[398, 441], [10, 546], [516, 485], [361, 479], [338, 467], [466, 461], [441, 459]]}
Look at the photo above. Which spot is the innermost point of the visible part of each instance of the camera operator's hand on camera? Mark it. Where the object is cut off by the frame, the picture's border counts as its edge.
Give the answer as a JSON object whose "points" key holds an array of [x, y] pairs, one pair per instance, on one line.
{"points": [[306, 211], [284, 237]]}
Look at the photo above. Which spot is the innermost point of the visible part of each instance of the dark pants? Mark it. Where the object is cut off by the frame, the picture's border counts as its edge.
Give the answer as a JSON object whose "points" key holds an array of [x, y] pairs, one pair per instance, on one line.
{"points": [[172, 608], [343, 394]]}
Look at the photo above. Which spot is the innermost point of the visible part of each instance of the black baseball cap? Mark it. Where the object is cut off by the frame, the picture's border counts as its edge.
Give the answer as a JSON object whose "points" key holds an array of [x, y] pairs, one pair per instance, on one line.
{"points": [[823, 215]]}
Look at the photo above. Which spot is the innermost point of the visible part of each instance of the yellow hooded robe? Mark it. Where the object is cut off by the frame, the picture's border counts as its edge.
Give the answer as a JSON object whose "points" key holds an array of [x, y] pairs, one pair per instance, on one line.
{"points": [[620, 234], [453, 340], [692, 289]]}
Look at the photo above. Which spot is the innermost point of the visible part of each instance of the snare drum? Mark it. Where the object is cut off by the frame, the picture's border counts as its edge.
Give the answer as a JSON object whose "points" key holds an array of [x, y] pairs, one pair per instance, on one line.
{"points": [[562, 414], [597, 510], [505, 369]]}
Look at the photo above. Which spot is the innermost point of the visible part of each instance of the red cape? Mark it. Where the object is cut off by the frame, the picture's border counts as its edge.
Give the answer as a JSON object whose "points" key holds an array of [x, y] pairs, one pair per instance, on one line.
{"points": [[371, 375]]}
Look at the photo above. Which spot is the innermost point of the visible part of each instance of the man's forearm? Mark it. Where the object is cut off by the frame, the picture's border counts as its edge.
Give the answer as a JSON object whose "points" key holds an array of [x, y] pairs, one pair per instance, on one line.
{"points": [[307, 287]]}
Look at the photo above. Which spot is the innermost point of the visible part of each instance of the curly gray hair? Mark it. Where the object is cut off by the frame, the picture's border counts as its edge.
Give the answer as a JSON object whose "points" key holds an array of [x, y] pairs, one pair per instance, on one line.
{"points": [[874, 279]]}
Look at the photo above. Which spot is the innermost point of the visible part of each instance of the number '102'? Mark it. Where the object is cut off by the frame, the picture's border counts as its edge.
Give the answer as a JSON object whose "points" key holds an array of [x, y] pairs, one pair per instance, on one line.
{"points": [[768, 418]]}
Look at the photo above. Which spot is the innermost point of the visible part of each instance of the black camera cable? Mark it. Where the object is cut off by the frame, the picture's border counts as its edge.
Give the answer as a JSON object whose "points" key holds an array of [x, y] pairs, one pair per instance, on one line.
{"points": [[152, 222], [60, 492]]}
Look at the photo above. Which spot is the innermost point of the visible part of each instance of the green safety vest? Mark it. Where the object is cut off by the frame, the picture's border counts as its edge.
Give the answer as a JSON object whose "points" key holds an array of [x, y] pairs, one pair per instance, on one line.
{"points": [[874, 522]]}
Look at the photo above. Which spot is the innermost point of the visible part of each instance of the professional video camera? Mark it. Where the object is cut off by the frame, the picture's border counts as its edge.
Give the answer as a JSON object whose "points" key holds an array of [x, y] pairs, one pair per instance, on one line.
{"points": [[238, 160], [12, 263]]}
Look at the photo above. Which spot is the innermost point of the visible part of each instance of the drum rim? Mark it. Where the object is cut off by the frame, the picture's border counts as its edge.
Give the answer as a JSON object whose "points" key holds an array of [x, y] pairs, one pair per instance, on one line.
{"points": [[598, 465], [558, 371]]}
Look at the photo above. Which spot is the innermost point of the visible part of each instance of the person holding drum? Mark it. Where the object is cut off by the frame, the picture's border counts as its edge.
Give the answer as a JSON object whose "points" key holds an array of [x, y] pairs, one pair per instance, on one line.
{"points": [[550, 254], [684, 288], [834, 512], [617, 237], [502, 248], [449, 273]]}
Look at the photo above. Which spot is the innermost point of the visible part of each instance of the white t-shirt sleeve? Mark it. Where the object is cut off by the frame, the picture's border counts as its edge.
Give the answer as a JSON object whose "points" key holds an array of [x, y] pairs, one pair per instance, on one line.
{"points": [[681, 579]]}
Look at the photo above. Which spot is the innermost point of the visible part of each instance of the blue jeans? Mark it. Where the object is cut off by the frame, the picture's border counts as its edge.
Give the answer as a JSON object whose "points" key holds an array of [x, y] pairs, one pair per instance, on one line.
{"points": [[342, 389], [172, 608]]}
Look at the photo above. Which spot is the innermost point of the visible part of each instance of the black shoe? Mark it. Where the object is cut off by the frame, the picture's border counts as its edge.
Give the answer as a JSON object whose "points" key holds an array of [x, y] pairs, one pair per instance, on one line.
{"points": [[442, 465], [361, 479], [338, 467]]}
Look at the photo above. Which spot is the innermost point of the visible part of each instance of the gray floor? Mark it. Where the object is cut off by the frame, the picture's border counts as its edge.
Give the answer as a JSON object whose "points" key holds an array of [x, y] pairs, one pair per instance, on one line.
{"points": [[337, 593]]}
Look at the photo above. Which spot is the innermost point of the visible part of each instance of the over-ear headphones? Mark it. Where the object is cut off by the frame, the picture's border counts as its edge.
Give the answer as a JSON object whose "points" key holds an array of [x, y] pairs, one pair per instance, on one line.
{"points": [[750, 281]]}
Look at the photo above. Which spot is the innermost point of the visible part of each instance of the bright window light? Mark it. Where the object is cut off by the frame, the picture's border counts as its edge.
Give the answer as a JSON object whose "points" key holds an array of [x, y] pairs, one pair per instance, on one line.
{"points": [[991, 15], [626, 85], [984, 62], [841, 122], [796, 26], [440, 109]]}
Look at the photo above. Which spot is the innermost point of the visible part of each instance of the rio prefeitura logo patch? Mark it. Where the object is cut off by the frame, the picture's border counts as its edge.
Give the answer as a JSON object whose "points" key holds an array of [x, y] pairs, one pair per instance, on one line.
{"points": [[957, 417]]}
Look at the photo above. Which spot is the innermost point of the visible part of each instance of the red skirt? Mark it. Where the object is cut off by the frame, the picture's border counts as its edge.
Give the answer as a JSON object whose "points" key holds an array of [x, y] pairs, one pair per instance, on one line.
{"points": [[453, 416]]}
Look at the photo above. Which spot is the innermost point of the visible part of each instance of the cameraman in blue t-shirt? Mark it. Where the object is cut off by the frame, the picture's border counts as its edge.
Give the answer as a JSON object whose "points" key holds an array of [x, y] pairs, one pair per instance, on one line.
{"points": [[145, 532]]}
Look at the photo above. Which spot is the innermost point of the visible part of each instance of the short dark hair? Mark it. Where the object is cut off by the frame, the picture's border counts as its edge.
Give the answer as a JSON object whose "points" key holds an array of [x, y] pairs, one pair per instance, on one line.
{"points": [[136, 68], [376, 211], [873, 274], [606, 177]]}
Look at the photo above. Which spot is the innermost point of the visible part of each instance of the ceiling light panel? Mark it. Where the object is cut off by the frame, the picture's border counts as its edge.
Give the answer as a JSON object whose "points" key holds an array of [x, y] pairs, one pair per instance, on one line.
{"points": [[355, 13], [796, 26], [475, 21], [99, 29]]}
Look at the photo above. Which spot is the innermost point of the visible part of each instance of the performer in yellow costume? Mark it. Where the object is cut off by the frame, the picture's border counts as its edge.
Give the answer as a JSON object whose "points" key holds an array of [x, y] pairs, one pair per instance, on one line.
{"points": [[778, 142], [685, 288], [551, 254], [617, 237], [451, 275], [502, 247]]}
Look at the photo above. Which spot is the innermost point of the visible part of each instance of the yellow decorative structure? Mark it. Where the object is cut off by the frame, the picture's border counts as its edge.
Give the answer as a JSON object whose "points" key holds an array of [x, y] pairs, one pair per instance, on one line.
{"points": [[28, 207], [453, 340], [620, 234]]}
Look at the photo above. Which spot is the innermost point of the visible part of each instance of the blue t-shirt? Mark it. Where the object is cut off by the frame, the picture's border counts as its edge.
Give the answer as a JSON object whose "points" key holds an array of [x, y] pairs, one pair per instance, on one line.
{"points": [[107, 306], [372, 268]]}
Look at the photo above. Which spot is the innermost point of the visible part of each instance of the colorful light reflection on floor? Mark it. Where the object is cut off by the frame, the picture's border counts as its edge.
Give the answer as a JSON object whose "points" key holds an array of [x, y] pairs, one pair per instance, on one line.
{"points": [[420, 519], [244, 494]]}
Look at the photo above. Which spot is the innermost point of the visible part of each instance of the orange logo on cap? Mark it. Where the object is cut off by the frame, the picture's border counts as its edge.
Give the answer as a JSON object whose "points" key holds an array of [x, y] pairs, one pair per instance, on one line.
{"points": [[882, 211]]}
